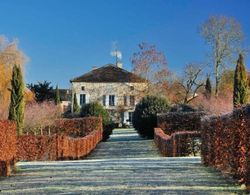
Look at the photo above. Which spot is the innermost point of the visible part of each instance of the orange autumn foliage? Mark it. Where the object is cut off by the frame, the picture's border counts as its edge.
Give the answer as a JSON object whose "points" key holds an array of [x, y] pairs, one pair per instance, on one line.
{"points": [[9, 55]]}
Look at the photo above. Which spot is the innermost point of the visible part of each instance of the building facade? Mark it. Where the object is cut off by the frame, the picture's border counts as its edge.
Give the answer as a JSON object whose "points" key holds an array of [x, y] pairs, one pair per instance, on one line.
{"points": [[115, 88]]}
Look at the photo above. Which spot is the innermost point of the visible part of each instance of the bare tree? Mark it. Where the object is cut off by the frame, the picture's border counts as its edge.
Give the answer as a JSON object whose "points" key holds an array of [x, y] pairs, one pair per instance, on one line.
{"points": [[37, 116], [150, 64], [224, 35], [191, 82]]}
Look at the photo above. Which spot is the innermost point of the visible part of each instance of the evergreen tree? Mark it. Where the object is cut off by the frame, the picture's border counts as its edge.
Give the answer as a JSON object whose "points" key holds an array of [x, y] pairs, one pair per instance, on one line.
{"points": [[16, 110], [43, 91], [240, 94], [208, 88], [76, 107], [57, 96]]}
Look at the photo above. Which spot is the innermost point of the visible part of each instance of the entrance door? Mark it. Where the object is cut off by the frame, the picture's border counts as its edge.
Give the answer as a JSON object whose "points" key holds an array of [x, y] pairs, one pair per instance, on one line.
{"points": [[130, 116]]}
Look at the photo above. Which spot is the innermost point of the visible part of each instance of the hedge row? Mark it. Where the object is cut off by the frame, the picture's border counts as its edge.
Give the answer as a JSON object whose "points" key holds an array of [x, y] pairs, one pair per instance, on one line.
{"points": [[77, 127], [226, 143], [178, 144], [56, 147], [7, 147], [177, 121]]}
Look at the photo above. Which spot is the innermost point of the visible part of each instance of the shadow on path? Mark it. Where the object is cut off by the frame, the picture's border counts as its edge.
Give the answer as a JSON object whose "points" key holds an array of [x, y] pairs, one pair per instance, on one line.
{"points": [[125, 164]]}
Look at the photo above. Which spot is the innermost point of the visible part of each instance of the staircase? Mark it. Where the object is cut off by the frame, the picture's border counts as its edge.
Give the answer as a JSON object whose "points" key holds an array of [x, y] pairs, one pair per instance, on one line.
{"points": [[125, 164], [124, 144]]}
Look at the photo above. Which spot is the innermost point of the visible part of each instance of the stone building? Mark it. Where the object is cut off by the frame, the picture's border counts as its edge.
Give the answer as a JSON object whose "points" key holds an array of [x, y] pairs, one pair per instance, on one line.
{"points": [[115, 88]]}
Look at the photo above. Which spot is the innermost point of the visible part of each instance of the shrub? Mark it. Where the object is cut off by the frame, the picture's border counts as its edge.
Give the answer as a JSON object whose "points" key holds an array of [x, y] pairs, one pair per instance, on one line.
{"points": [[96, 109], [108, 130], [144, 118]]}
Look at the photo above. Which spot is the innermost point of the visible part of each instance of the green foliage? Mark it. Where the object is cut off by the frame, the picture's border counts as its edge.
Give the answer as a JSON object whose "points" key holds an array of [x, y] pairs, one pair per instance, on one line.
{"points": [[108, 130], [16, 110], [95, 109], [57, 96], [208, 88], [240, 95], [144, 117], [43, 91], [76, 107]]}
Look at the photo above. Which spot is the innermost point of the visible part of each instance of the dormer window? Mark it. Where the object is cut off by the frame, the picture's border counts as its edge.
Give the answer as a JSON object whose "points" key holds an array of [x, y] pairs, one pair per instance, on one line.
{"points": [[83, 88]]}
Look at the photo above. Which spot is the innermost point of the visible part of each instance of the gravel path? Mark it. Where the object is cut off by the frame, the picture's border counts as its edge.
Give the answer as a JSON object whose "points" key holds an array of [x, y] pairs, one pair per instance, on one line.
{"points": [[126, 164]]}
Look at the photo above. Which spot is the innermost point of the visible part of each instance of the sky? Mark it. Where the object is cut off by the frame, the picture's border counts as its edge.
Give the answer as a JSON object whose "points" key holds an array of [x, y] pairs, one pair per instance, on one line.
{"points": [[66, 38]]}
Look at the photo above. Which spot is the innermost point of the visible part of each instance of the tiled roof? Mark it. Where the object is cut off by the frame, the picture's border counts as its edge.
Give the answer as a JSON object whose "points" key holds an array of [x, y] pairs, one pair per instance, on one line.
{"points": [[109, 73]]}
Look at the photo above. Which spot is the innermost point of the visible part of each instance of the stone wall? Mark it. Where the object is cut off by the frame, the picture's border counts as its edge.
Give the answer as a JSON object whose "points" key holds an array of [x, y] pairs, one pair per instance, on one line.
{"points": [[95, 91]]}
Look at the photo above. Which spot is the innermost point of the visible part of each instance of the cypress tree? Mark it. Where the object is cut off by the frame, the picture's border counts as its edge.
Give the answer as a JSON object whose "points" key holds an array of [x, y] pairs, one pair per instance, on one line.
{"points": [[208, 88], [16, 110], [57, 96], [240, 94], [76, 107]]}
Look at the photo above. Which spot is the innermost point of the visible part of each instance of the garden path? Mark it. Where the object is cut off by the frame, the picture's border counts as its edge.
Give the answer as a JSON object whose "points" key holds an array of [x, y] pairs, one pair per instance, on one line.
{"points": [[125, 164]]}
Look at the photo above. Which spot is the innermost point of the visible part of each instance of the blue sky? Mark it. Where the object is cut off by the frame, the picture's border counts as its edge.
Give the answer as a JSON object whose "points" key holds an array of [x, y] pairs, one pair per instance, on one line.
{"points": [[66, 38]]}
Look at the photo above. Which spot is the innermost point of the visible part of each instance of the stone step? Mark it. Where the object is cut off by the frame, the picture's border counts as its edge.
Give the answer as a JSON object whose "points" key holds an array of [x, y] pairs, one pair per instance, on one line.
{"points": [[124, 143]]}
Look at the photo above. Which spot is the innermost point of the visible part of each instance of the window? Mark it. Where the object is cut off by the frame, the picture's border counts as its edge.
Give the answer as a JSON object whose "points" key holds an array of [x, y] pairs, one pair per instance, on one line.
{"points": [[112, 100], [132, 100], [125, 100], [132, 88], [130, 115], [82, 99], [83, 88], [104, 100]]}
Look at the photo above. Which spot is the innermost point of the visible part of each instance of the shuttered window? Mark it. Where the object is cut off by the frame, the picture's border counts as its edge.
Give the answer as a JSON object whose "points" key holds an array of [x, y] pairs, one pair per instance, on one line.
{"points": [[104, 100], [112, 100]]}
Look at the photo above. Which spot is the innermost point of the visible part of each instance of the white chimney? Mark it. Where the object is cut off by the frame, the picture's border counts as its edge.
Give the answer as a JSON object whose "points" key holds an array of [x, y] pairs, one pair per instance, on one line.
{"points": [[119, 64]]}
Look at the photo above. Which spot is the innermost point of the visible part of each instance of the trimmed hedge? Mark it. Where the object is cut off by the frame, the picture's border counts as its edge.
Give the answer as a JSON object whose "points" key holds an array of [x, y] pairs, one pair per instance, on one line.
{"points": [[77, 127], [73, 139], [7, 147], [177, 121], [226, 143], [56, 147], [178, 144]]}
